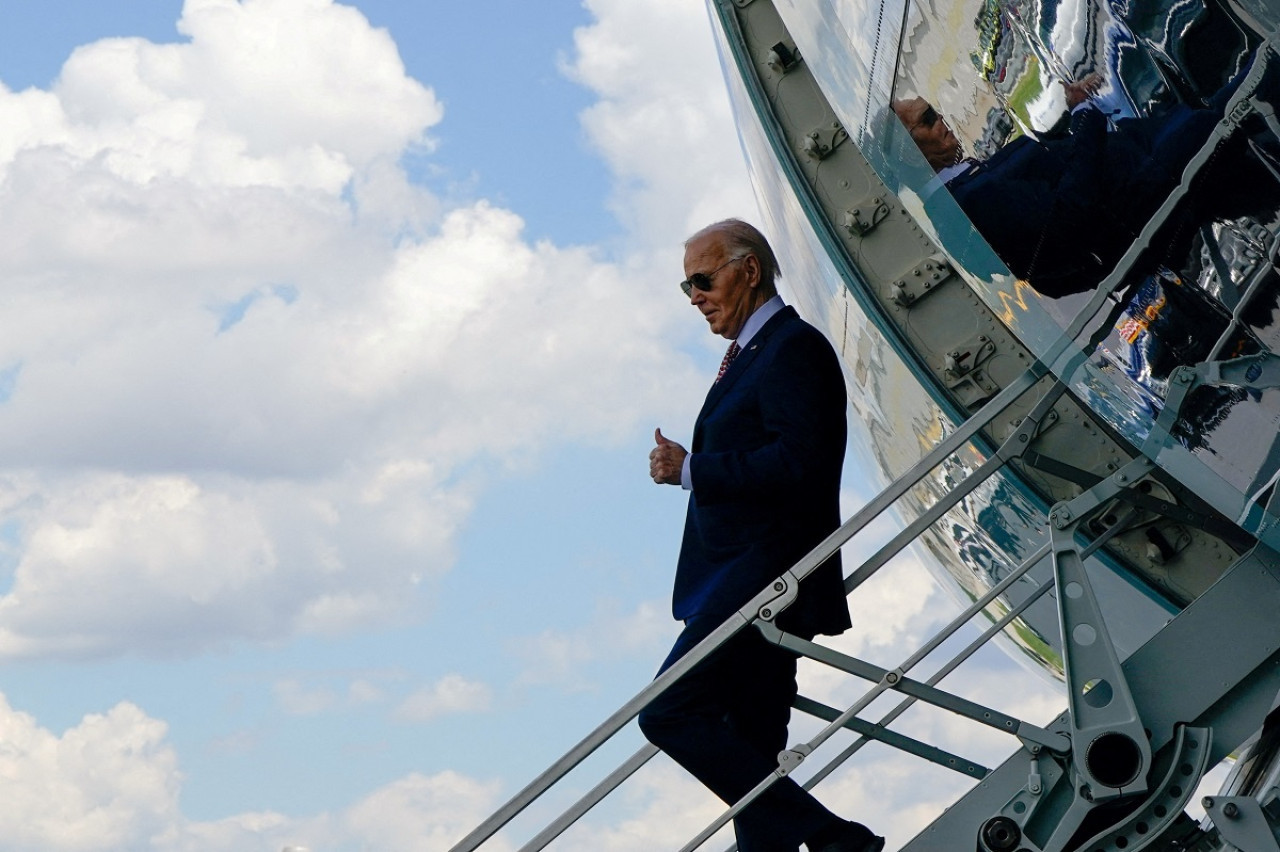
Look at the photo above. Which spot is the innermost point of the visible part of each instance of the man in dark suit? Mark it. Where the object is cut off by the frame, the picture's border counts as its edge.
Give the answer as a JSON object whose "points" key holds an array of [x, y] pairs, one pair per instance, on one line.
{"points": [[1061, 210], [764, 483]]}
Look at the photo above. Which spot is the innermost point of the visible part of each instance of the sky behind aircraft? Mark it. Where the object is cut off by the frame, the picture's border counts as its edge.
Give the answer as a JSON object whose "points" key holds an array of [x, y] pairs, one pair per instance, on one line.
{"points": [[335, 340]]}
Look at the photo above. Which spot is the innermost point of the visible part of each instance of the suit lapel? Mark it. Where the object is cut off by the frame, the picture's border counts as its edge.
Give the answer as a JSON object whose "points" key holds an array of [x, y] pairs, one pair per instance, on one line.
{"points": [[742, 363]]}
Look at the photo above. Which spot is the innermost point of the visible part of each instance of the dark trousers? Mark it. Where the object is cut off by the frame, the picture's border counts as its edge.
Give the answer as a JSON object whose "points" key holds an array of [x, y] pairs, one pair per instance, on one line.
{"points": [[1161, 146], [725, 722], [1144, 161]]}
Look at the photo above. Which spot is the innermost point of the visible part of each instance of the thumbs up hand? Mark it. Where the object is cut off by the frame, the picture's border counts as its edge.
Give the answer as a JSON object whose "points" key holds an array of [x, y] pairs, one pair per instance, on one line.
{"points": [[666, 460]]}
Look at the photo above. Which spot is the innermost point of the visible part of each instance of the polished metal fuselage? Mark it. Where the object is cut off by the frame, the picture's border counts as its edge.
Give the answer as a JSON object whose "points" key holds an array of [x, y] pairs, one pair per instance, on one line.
{"points": [[854, 238]]}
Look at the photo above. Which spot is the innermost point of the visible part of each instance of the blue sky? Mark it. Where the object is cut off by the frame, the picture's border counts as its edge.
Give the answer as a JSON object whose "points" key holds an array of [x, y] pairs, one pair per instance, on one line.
{"points": [[335, 340]]}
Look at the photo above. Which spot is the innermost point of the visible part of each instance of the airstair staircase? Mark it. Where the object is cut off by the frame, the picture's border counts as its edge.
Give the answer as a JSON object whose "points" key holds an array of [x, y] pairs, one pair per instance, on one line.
{"points": [[1117, 770]]}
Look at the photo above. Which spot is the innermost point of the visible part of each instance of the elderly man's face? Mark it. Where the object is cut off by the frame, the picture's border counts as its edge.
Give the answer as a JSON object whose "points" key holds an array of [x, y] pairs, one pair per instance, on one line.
{"points": [[929, 131], [735, 284]]}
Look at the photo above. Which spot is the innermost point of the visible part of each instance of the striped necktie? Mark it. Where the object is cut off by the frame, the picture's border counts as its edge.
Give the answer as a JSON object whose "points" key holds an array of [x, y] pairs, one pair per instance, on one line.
{"points": [[732, 353]]}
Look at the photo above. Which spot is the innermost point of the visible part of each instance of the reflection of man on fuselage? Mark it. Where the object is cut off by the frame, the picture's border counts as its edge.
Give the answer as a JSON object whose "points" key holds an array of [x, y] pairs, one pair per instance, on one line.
{"points": [[1061, 210]]}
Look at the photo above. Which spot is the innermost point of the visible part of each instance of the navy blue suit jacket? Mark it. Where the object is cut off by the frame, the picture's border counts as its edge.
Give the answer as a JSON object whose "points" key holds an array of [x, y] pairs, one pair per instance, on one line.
{"points": [[767, 449], [1060, 211], [1040, 204]]}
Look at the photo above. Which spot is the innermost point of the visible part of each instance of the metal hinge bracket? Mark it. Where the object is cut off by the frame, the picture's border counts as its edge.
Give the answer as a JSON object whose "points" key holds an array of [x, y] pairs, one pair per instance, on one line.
{"points": [[821, 142], [918, 281], [862, 220]]}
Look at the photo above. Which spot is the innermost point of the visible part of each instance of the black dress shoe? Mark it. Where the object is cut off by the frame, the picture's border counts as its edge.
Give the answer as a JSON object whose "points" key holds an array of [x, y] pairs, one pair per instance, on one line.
{"points": [[851, 837]]}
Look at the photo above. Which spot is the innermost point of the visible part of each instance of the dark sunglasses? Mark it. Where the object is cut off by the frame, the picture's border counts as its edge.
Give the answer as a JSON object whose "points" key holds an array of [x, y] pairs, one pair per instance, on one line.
{"points": [[928, 118], [704, 280]]}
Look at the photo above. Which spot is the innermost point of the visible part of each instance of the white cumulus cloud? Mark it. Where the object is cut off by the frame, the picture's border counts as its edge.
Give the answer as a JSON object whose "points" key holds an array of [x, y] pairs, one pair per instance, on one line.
{"points": [[662, 119], [107, 783], [113, 782], [453, 693], [252, 376]]}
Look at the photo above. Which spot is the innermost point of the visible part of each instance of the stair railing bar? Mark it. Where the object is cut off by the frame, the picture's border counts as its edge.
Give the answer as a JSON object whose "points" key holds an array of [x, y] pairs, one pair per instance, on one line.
{"points": [[591, 799], [599, 792], [968, 651], [736, 622], [1014, 445]]}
